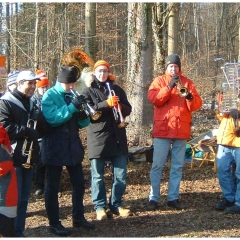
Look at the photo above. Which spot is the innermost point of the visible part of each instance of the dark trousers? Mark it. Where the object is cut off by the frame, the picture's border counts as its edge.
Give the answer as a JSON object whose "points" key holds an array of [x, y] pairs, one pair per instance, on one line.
{"points": [[6, 226], [53, 175], [40, 173]]}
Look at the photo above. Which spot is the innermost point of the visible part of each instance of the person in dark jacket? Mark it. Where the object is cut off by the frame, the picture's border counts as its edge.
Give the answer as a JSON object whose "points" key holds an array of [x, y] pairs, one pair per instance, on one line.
{"points": [[16, 110], [40, 171], [62, 146], [8, 187], [105, 140]]}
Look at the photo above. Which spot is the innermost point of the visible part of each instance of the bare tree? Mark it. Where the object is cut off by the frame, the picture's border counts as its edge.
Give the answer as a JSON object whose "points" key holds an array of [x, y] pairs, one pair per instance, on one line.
{"points": [[173, 28], [8, 62], [90, 29], [140, 65]]}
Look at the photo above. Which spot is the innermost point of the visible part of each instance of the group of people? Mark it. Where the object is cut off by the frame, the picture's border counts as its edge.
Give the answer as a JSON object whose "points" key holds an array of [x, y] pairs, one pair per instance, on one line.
{"points": [[53, 136]]}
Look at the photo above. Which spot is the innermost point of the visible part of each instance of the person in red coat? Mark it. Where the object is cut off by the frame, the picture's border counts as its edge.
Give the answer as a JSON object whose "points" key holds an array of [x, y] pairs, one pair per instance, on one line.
{"points": [[8, 187], [174, 97]]}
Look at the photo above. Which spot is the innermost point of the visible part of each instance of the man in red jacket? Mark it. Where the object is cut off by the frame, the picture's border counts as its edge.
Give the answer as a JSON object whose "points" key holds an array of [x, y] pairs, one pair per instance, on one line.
{"points": [[174, 97], [8, 187]]}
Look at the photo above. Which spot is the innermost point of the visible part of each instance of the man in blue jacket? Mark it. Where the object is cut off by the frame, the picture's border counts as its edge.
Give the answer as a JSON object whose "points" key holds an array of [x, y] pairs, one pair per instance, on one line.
{"points": [[62, 146]]}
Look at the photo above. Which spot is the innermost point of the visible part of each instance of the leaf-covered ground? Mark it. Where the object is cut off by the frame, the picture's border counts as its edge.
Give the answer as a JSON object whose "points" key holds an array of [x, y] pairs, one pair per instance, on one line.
{"points": [[199, 191]]}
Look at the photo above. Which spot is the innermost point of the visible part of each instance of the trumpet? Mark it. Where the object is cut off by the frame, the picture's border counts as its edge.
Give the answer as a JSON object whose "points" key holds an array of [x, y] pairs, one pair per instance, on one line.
{"points": [[28, 152], [95, 115], [117, 110], [182, 91]]}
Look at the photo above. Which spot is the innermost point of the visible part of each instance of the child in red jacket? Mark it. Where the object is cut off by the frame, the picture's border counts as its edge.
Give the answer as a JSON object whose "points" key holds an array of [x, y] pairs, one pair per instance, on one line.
{"points": [[8, 187]]}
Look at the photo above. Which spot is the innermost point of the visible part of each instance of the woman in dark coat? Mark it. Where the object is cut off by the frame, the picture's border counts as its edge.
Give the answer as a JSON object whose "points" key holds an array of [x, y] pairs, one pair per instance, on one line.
{"points": [[105, 140]]}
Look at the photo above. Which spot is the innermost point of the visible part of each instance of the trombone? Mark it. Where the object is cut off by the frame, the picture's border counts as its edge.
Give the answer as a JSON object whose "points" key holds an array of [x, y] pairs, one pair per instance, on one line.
{"points": [[117, 110], [95, 115], [30, 124]]}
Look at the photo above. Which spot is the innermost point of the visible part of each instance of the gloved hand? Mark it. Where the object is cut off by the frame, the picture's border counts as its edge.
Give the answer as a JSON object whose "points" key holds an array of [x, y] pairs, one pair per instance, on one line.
{"points": [[112, 101], [31, 134], [82, 115], [234, 113], [189, 96], [173, 81], [78, 101], [34, 113]]}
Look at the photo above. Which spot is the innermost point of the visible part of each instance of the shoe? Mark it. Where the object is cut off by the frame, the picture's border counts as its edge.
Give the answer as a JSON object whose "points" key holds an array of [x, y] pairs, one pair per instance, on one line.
{"points": [[152, 205], [101, 214], [223, 204], [39, 192], [235, 209], [176, 204], [83, 223], [59, 230], [122, 212]]}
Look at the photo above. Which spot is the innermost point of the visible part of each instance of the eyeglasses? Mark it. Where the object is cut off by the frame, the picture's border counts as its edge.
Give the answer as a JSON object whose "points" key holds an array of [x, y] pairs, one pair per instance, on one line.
{"points": [[102, 71]]}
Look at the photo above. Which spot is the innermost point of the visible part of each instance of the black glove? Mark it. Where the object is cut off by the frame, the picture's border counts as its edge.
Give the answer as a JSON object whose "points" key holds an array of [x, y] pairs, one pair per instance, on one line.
{"points": [[78, 101], [173, 81], [82, 115], [31, 134], [189, 96], [234, 113], [34, 113]]}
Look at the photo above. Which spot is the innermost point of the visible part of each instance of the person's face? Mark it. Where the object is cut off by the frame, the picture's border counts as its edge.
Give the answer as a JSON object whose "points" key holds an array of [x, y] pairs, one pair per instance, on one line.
{"points": [[101, 73], [172, 69], [43, 89], [12, 87], [67, 86], [27, 87]]}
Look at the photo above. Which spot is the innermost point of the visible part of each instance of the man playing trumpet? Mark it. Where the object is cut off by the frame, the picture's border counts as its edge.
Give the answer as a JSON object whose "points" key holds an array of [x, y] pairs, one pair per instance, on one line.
{"points": [[172, 126], [106, 139]]}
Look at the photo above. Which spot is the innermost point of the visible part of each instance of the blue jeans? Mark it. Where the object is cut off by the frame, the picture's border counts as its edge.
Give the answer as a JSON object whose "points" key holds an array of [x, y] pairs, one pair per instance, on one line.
{"points": [[119, 182], [53, 174], [24, 182], [226, 156], [160, 153]]}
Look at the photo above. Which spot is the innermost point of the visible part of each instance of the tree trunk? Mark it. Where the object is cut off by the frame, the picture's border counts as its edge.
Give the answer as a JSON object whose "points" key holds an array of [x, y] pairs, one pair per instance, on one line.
{"points": [[173, 28], [8, 67], [90, 29], [36, 57], [140, 65]]}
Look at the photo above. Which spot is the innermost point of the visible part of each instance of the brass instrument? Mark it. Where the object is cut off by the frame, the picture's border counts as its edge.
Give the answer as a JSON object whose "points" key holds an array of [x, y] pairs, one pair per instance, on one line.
{"points": [[95, 115], [25, 150], [117, 110], [182, 91]]}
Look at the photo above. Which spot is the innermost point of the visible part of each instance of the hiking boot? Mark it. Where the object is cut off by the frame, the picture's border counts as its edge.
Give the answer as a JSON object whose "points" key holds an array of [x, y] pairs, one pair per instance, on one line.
{"points": [[101, 214], [122, 212], [83, 223], [152, 205], [235, 209], [39, 192], [59, 230], [176, 204], [223, 204]]}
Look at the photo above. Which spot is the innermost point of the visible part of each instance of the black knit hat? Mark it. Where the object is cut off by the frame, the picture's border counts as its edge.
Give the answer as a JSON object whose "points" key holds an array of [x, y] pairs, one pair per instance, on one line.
{"points": [[173, 59], [67, 74]]}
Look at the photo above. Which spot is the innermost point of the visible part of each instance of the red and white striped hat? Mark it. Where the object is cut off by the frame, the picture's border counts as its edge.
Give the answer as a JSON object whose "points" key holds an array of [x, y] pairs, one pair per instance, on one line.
{"points": [[44, 79]]}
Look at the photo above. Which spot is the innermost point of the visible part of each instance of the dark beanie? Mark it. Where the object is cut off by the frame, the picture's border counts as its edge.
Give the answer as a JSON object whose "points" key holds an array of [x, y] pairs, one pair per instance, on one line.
{"points": [[173, 59], [67, 74]]}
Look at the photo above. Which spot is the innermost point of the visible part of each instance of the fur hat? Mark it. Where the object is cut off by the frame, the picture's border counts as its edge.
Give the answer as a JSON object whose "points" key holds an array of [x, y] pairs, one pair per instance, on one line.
{"points": [[44, 80], [173, 59], [67, 74], [12, 78], [101, 63]]}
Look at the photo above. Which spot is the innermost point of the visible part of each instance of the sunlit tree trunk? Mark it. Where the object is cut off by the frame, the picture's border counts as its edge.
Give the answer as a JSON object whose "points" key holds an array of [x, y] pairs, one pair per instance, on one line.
{"points": [[90, 29], [8, 67], [36, 57], [173, 28], [140, 66]]}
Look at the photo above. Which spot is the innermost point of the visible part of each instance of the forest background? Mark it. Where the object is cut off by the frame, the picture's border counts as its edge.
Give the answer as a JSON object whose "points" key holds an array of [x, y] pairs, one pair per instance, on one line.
{"points": [[135, 39]]}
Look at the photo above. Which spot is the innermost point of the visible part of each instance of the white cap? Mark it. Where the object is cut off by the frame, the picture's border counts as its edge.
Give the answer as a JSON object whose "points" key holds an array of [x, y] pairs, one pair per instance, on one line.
{"points": [[26, 76]]}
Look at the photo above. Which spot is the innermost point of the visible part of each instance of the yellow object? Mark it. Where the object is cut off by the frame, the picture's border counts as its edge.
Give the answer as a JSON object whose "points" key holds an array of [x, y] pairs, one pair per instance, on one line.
{"points": [[101, 215]]}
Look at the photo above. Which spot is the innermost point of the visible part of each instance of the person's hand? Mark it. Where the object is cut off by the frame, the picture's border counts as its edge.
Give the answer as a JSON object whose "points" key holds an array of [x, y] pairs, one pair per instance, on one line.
{"points": [[35, 113], [234, 113], [112, 101], [82, 115], [173, 81], [78, 101], [31, 134], [189, 96]]}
